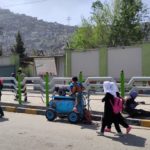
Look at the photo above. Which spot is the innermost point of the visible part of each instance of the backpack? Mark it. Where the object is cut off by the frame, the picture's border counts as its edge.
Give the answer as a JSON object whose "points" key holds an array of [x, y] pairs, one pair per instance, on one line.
{"points": [[117, 106], [77, 87]]}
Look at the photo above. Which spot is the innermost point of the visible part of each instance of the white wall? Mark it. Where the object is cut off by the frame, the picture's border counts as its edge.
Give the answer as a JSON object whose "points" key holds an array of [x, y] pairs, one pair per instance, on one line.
{"points": [[87, 62], [5, 61], [127, 59]]}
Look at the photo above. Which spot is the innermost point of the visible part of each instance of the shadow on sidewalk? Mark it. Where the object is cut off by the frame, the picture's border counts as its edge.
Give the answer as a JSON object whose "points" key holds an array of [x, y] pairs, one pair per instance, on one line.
{"points": [[83, 125], [3, 119], [129, 139]]}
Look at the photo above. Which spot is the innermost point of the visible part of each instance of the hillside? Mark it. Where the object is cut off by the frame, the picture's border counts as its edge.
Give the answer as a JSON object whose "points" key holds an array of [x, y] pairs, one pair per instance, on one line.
{"points": [[37, 34]]}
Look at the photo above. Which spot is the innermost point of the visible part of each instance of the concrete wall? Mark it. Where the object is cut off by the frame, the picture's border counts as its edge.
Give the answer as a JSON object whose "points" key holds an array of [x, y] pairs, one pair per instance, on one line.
{"points": [[5, 61], [145, 59], [87, 62], [128, 59], [60, 66], [109, 62]]}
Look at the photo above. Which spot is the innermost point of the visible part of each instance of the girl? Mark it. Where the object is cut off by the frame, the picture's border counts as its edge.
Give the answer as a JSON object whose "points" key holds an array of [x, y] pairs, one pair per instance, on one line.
{"points": [[109, 115]]}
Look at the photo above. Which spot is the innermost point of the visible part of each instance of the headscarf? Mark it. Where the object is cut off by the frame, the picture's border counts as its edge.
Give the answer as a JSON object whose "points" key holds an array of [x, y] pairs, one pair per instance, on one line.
{"points": [[133, 94], [113, 88], [110, 87], [106, 87]]}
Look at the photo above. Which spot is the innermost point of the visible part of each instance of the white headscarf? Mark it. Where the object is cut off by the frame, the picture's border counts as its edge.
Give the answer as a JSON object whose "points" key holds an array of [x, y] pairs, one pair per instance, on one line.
{"points": [[106, 87], [114, 88], [110, 87]]}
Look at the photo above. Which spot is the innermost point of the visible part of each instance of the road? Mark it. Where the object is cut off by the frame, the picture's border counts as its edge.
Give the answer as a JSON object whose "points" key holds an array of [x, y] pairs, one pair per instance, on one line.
{"points": [[28, 132]]}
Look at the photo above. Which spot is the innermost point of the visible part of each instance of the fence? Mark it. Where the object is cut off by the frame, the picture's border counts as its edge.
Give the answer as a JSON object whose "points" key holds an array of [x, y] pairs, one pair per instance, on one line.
{"points": [[93, 85]]}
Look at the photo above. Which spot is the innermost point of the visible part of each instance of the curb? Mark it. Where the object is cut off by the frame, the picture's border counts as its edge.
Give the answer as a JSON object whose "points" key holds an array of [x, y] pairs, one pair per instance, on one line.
{"points": [[131, 121], [22, 105], [23, 110], [145, 123], [139, 122], [38, 110]]}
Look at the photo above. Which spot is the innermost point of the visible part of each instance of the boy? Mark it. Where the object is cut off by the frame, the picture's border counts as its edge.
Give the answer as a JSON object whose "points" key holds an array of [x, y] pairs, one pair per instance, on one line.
{"points": [[76, 89]]}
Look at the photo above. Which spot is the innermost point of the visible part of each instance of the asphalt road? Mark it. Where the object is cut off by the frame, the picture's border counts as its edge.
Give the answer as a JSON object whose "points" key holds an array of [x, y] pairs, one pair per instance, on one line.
{"points": [[34, 132]]}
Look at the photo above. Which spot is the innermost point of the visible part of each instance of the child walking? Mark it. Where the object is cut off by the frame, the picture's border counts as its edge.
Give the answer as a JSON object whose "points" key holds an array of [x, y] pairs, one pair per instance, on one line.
{"points": [[109, 116]]}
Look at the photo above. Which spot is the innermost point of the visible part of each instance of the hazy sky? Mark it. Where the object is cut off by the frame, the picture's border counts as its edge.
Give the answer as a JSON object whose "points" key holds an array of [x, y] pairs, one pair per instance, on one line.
{"points": [[53, 10]]}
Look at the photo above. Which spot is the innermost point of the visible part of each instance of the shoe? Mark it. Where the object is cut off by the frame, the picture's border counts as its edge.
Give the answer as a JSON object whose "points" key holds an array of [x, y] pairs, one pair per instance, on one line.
{"points": [[100, 133], [128, 129], [75, 109], [107, 130]]}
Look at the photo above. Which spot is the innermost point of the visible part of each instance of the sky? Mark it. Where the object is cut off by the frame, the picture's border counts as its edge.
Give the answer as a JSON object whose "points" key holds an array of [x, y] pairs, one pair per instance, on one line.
{"points": [[67, 12]]}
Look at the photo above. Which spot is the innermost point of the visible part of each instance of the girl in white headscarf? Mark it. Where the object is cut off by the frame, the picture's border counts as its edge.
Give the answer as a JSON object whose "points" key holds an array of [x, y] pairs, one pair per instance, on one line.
{"points": [[118, 117], [109, 115]]}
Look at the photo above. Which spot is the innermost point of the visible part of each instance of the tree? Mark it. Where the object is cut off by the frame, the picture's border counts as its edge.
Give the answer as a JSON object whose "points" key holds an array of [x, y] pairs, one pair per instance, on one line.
{"points": [[83, 37], [94, 31], [127, 23], [120, 24], [19, 46], [101, 20]]}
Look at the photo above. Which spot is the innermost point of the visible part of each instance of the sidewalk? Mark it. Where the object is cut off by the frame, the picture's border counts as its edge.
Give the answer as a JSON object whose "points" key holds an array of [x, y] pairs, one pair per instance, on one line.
{"points": [[36, 105]]}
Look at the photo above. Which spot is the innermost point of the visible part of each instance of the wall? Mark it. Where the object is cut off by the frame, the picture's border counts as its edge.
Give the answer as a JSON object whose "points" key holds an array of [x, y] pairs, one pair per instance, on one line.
{"points": [[146, 59], [87, 62], [7, 70], [5, 61], [128, 59], [6, 66], [60, 66]]}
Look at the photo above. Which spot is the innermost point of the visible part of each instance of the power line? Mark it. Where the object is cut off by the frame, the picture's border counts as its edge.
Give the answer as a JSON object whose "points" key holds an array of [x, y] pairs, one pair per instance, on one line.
{"points": [[25, 3]]}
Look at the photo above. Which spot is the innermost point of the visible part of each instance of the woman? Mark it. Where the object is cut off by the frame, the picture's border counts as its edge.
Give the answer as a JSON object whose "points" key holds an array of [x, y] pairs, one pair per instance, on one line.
{"points": [[119, 118], [109, 116]]}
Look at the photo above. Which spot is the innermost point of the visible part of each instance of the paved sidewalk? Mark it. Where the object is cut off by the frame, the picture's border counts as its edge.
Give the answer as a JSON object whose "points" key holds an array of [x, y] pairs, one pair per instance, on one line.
{"points": [[36, 105]]}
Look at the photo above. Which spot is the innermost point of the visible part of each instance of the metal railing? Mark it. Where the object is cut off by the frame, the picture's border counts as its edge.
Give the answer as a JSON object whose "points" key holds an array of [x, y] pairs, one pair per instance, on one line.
{"points": [[93, 85]]}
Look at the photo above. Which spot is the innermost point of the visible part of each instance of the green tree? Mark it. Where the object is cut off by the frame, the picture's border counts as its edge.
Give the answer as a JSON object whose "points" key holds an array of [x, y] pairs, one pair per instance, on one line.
{"points": [[101, 21], [122, 23], [126, 27], [94, 31], [82, 38], [19, 46]]}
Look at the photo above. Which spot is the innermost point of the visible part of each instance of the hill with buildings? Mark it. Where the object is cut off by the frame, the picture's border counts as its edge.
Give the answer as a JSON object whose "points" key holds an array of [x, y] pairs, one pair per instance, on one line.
{"points": [[38, 35]]}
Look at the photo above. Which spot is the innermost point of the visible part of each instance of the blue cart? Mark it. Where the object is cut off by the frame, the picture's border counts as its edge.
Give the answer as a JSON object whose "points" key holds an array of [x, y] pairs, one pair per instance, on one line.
{"points": [[62, 106]]}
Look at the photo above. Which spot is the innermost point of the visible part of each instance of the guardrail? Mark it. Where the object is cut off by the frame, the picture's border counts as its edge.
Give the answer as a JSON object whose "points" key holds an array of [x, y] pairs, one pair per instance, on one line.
{"points": [[93, 85]]}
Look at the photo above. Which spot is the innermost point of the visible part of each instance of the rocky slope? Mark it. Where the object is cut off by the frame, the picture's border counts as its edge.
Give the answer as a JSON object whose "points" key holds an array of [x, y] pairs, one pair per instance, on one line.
{"points": [[38, 35]]}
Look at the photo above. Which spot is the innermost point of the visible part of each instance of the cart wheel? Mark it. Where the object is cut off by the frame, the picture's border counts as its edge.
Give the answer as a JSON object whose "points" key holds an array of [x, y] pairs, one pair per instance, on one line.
{"points": [[73, 117], [50, 114]]}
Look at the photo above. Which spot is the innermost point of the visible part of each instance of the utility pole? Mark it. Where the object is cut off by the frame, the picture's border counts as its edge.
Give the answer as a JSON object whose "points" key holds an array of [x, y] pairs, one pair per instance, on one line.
{"points": [[68, 20]]}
